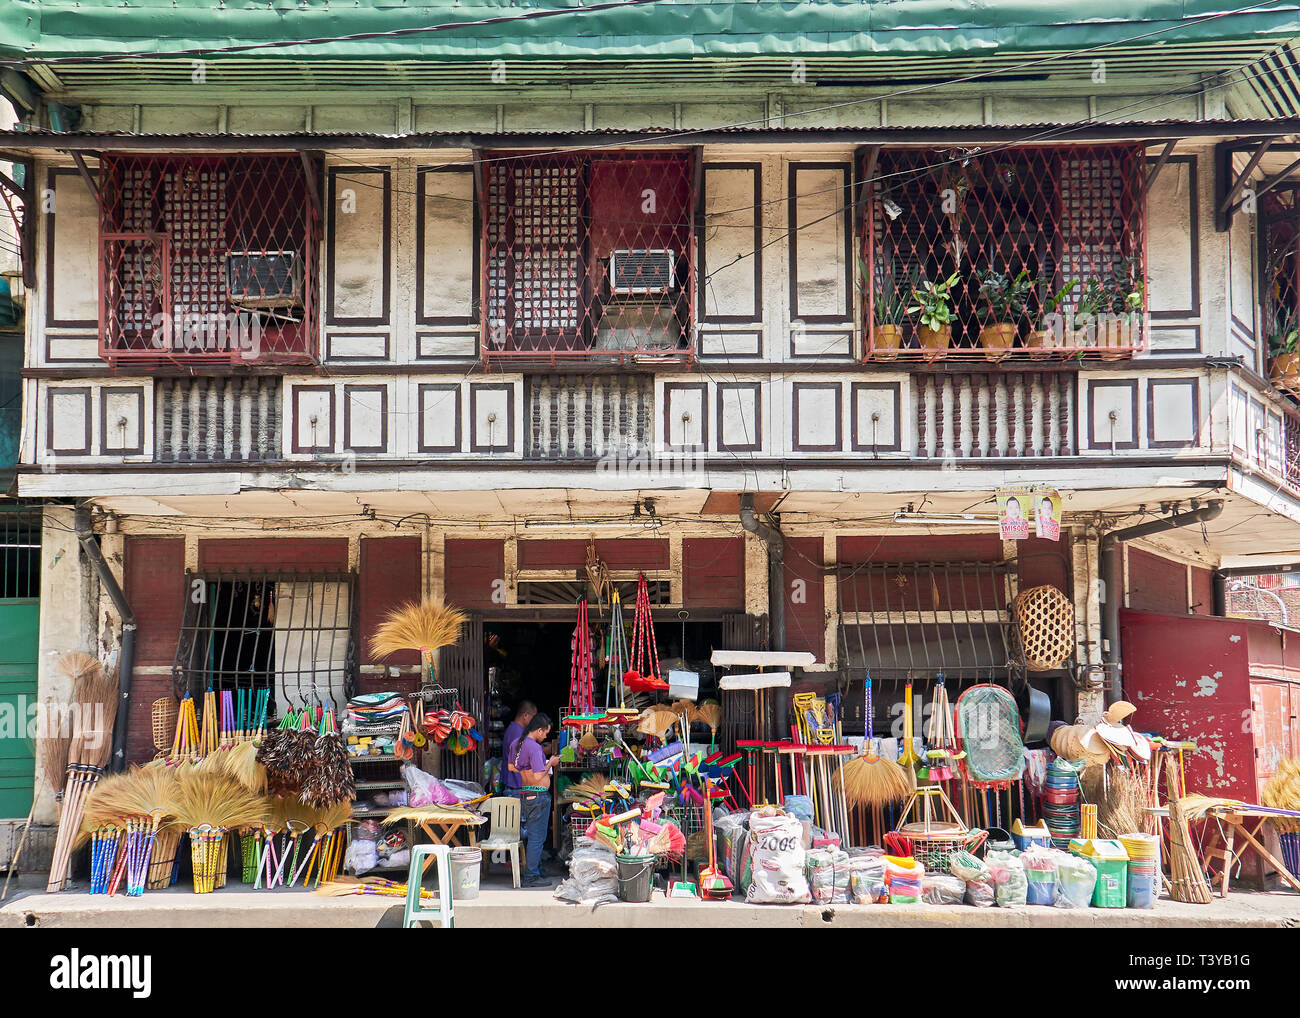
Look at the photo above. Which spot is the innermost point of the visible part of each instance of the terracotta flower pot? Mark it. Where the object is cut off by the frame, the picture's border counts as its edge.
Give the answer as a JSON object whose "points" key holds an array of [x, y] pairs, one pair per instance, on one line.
{"points": [[997, 340], [884, 340], [1284, 369], [1040, 343], [935, 340]]}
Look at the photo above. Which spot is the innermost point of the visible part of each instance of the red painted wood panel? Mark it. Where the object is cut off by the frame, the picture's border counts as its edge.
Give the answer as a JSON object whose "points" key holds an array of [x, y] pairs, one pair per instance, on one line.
{"points": [[713, 572], [804, 593], [1202, 591], [1041, 562], [921, 548], [1188, 677], [154, 583], [627, 553], [389, 577], [471, 567], [1156, 584], [269, 554]]}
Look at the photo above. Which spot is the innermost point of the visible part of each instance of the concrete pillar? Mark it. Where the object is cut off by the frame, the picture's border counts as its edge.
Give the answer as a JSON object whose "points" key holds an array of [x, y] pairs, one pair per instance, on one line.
{"points": [[69, 594], [1087, 613]]}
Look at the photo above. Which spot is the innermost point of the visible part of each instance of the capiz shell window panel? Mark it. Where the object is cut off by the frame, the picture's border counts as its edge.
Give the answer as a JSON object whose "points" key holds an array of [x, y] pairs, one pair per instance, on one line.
{"points": [[208, 258], [587, 256]]}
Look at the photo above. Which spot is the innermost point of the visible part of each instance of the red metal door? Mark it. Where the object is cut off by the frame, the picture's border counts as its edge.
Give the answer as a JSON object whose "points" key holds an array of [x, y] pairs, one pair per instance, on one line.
{"points": [[1189, 678]]}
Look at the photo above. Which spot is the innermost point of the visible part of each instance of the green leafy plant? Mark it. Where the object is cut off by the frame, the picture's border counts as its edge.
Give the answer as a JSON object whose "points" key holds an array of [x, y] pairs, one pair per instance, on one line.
{"points": [[888, 308], [1282, 337], [1003, 296], [1052, 304], [932, 302]]}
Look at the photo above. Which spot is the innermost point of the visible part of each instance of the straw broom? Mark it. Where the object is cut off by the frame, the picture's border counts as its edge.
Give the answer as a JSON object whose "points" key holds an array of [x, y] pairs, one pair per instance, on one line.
{"points": [[424, 626], [1186, 871], [208, 805], [94, 708]]}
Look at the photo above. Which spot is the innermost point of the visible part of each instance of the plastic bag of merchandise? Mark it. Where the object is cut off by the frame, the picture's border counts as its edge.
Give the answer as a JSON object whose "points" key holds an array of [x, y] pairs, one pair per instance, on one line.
{"points": [[980, 893], [1076, 879], [967, 866], [903, 877], [776, 859], [464, 791], [827, 872], [425, 789], [730, 831], [1040, 874], [942, 889], [593, 875], [867, 876], [1009, 879], [361, 857]]}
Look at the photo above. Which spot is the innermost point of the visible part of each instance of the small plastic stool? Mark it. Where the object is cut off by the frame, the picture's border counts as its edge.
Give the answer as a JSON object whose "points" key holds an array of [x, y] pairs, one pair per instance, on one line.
{"points": [[415, 912]]}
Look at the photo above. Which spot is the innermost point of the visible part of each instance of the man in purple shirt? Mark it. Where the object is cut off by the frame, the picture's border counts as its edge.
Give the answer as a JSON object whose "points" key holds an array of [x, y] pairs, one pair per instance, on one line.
{"points": [[524, 713], [534, 770]]}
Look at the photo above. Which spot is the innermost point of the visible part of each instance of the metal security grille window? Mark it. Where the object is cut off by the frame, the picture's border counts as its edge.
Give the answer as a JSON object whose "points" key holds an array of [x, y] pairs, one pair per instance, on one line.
{"points": [[1045, 247], [588, 257], [207, 258], [293, 633], [913, 621], [20, 554]]}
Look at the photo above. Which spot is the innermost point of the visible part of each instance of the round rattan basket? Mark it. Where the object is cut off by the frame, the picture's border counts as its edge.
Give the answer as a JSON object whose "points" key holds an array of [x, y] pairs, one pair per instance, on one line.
{"points": [[164, 723], [1046, 621]]}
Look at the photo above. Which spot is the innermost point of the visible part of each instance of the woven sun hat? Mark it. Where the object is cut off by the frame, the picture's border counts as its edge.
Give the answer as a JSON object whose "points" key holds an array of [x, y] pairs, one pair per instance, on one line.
{"points": [[1141, 747], [1119, 712], [1095, 748], [1119, 736]]}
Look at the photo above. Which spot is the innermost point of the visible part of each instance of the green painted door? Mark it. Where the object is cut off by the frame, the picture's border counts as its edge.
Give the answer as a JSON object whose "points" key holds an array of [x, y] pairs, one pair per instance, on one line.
{"points": [[18, 643]]}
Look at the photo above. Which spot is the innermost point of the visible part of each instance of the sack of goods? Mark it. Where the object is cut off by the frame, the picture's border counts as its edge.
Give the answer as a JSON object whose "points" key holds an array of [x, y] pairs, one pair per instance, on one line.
{"points": [[1009, 878], [903, 877], [776, 860], [828, 876]]}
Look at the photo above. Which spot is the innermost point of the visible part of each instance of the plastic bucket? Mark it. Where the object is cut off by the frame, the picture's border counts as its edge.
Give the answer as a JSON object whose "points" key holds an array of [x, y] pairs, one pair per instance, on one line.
{"points": [[635, 874], [465, 863], [1143, 883]]}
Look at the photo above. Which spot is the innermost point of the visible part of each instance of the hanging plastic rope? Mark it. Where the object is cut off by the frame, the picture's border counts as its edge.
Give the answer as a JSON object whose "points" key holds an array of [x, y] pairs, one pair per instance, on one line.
{"points": [[616, 654], [643, 676], [582, 696]]}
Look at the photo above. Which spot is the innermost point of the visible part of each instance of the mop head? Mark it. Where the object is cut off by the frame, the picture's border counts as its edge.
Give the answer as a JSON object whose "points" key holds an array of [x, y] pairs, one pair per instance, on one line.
{"points": [[757, 680]]}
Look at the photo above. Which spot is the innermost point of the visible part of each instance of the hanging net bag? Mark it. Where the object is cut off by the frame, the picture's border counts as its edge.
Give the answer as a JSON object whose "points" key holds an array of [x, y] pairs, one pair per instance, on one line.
{"points": [[988, 730]]}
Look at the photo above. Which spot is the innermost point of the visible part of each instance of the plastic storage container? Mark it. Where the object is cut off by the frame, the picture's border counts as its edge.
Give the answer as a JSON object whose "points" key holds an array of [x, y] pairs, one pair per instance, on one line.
{"points": [[465, 866], [1143, 869], [1111, 861]]}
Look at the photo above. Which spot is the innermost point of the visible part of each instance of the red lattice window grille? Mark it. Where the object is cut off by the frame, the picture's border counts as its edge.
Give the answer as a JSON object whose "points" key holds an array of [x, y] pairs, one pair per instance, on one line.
{"points": [[1051, 216], [1279, 241], [207, 258], [588, 256]]}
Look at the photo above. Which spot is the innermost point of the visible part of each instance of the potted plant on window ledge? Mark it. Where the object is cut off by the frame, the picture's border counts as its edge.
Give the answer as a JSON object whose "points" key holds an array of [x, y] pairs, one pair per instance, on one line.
{"points": [[1004, 300], [1283, 352], [1043, 337], [932, 304], [887, 312], [1113, 305]]}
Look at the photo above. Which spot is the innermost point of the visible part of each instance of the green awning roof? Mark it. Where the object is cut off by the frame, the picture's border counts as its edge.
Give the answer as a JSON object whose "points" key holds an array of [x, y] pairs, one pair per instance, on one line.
{"points": [[76, 30]]}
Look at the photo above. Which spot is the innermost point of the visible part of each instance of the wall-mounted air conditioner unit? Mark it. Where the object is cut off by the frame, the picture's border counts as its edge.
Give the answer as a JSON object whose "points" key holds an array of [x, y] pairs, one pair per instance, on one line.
{"points": [[646, 271], [264, 279]]}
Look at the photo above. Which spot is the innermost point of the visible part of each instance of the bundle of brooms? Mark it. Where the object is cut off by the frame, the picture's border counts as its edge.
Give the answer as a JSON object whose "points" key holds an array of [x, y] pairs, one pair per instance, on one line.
{"points": [[136, 803], [1283, 792], [1186, 871], [209, 805], [94, 709], [52, 753], [1120, 796]]}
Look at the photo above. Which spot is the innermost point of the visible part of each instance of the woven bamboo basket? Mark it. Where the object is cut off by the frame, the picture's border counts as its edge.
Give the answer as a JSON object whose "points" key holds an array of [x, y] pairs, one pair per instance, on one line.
{"points": [[1046, 620], [164, 723]]}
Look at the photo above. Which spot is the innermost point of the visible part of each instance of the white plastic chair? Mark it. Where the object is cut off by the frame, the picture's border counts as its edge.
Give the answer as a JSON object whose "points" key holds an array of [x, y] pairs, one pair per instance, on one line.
{"points": [[505, 831], [415, 910]]}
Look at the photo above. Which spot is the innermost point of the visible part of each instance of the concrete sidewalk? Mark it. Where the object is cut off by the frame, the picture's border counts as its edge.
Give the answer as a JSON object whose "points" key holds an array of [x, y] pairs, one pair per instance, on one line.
{"points": [[500, 907]]}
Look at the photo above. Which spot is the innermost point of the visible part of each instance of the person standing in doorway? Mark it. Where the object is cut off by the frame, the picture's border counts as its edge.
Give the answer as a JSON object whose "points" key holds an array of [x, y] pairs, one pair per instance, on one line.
{"points": [[534, 769], [524, 713]]}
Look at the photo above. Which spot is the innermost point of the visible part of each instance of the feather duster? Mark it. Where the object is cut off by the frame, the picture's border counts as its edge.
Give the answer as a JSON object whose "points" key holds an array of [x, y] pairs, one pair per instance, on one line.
{"points": [[288, 756], [330, 780]]}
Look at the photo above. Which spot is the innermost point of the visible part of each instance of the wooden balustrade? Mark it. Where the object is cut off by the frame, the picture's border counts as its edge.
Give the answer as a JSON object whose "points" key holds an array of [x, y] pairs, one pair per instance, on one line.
{"points": [[995, 413]]}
